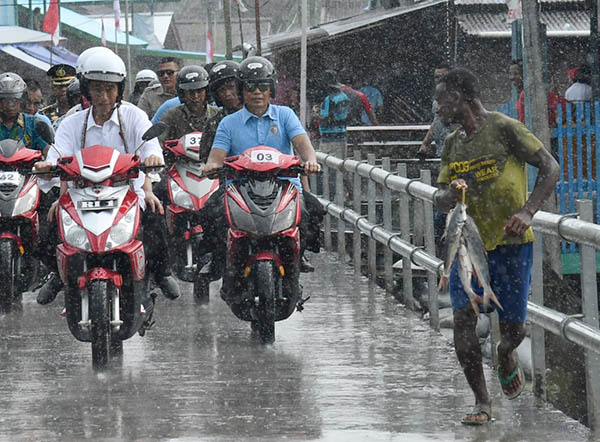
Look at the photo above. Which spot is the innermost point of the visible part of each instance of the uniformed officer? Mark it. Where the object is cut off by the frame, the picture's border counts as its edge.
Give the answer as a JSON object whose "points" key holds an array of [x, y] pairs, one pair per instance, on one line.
{"points": [[157, 94], [61, 75], [191, 116]]}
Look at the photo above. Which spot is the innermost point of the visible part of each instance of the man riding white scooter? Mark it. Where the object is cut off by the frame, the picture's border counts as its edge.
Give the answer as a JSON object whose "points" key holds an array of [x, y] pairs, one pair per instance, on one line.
{"points": [[120, 127]]}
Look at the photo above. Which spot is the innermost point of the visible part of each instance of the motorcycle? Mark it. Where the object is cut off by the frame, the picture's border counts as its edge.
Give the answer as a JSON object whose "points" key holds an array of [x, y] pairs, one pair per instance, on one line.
{"points": [[19, 222], [261, 280], [188, 191], [100, 259]]}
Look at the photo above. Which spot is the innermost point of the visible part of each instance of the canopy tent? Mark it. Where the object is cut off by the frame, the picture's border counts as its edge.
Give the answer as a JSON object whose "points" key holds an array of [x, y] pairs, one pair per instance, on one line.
{"points": [[17, 34], [89, 28], [17, 53], [52, 55], [184, 54]]}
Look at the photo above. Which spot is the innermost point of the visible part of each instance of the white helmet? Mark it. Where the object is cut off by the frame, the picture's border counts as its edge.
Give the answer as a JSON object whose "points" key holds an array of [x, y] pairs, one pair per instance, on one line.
{"points": [[11, 85], [102, 65], [101, 50], [146, 75]]}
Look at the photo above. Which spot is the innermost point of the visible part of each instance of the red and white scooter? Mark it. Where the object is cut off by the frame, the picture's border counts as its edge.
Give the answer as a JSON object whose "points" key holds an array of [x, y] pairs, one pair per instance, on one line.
{"points": [[101, 260], [188, 192], [19, 221]]}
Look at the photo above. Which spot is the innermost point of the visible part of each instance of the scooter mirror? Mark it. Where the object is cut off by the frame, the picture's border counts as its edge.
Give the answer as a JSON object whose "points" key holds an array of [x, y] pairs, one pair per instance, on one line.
{"points": [[44, 131], [154, 131]]}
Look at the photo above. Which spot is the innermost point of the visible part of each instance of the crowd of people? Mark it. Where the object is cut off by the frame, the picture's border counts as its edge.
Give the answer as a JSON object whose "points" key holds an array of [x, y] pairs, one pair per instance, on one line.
{"points": [[483, 156]]}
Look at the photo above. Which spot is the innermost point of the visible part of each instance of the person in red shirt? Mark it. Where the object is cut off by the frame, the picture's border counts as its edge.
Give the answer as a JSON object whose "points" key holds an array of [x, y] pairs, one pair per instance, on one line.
{"points": [[515, 74], [358, 103]]}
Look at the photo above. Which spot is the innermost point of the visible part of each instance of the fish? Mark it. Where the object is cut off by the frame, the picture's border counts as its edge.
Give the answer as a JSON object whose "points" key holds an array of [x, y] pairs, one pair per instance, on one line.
{"points": [[454, 228], [478, 256], [465, 273]]}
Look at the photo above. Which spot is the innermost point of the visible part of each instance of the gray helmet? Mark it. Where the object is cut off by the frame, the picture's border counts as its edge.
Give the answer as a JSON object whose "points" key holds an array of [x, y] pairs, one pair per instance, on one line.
{"points": [[190, 78], [11, 85]]}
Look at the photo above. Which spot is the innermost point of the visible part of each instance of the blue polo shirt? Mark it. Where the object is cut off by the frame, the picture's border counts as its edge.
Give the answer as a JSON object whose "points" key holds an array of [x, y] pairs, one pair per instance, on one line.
{"points": [[242, 130], [23, 130]]}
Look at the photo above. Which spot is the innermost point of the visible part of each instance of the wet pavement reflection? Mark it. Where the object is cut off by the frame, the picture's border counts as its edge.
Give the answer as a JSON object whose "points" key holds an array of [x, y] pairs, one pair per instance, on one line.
{"points": [[354, 366]]}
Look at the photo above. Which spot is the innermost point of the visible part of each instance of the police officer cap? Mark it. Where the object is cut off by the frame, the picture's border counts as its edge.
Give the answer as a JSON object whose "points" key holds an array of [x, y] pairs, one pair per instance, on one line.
{"points": [[61, 74]]}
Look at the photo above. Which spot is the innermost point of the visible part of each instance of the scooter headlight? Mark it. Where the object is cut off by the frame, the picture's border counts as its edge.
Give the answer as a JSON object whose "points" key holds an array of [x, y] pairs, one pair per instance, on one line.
{"points": [[26, 202], [75, 235], [180, 196], [123, 231]]}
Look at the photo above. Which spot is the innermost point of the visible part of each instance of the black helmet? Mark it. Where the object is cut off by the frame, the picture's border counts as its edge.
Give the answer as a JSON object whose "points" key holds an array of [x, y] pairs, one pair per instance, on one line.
{"points": [[74, 93], [258, 68], [190, 78], [220, 73]]}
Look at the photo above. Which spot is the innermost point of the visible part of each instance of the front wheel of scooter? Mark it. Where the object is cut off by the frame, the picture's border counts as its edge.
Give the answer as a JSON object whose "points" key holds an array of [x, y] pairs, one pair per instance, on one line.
{"points": [[265, 288], [9, 294], [100, 332], [201, 290]]}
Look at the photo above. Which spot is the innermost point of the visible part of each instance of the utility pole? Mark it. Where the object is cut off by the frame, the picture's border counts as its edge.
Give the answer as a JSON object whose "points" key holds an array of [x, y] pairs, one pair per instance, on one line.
{"points": [[129, 77], [536, 94], [257, 19], [593, 10], [303, 55], [227, 20]]}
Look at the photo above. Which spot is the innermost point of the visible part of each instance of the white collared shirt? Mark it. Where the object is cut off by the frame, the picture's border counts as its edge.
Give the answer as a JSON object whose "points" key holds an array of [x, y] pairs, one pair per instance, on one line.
{"points": [[136, 122]]}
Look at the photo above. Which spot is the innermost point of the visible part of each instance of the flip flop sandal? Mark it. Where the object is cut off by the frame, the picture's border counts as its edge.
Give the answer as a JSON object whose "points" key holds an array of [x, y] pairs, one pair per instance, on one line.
{"points": [[505, 382], [480, 415]]}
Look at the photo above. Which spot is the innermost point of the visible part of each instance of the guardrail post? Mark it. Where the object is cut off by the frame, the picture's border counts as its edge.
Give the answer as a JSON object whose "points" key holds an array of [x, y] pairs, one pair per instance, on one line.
{"points": [[407, 280], [590, 310], [434, 312], [388, 255], [312, 180], [341, 224], [327, 220], [356, 236], [372, 195], [538, 335]]}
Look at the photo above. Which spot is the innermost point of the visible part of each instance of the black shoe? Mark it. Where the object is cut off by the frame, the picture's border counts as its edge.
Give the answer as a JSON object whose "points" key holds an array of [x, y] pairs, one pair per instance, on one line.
{"points": [[50, 289], [305, 265], [169, 286]]}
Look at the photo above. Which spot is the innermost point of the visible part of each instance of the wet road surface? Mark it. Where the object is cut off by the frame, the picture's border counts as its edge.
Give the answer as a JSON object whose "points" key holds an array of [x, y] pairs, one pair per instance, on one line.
{"points": [[354, 366]]}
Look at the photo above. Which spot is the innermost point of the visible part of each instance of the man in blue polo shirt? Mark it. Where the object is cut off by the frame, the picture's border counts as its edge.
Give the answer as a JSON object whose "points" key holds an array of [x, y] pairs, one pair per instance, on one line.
{"points": [[261, 123], [14, 124]]}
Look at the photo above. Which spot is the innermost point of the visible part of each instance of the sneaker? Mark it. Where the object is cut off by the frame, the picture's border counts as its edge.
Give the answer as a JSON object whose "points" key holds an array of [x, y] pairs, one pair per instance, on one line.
{"points": [[169, 286], [48, 292], [305, 265]]}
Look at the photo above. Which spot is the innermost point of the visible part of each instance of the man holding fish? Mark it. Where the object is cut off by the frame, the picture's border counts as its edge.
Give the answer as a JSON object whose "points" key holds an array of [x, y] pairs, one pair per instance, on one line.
{"points": [[483, 178]]}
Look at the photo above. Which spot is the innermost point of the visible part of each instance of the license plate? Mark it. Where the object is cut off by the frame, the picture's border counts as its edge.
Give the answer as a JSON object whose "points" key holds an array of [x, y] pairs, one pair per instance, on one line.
{"points": [[97, 204]]}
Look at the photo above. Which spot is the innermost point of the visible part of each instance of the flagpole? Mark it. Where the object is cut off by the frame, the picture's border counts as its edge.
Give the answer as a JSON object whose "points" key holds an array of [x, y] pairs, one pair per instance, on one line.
{"points": [[227, 20], [303, 54], [127, 45], [257, 19]]}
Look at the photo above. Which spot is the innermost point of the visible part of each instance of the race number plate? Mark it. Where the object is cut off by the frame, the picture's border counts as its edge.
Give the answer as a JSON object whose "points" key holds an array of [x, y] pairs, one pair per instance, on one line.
{"points": [[10, 178], [97, 205], [192, 141], [264, 156]]}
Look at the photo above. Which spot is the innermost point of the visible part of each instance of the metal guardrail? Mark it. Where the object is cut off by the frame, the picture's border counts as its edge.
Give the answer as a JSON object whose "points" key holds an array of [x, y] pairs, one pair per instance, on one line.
{"points": [[417, 247]]}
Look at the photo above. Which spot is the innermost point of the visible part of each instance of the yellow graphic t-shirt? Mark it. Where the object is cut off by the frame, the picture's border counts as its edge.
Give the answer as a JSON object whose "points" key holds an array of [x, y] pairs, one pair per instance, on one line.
{"points": [[493, 163]]}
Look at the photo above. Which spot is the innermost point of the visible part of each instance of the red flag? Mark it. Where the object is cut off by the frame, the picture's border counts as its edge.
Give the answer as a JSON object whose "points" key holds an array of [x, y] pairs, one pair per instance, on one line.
{"points": [[50, 24], [117, 8], [209, 46], [103, 35]]}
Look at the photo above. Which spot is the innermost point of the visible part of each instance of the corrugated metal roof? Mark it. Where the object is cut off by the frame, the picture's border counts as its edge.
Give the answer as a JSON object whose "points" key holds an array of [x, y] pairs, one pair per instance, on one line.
{"points": [[275, 42], [494, 25], [503, 2]]}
